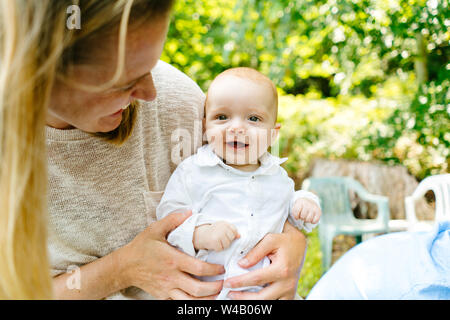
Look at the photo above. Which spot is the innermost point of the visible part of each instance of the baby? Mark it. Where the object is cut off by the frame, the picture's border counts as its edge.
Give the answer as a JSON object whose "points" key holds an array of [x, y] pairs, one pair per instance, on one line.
{"points": [[237, 191]]}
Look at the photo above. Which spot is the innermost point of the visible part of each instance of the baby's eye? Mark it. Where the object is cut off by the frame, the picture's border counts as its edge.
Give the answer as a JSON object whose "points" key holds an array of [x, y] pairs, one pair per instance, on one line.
{"points": [[254, 118], [221, 117]]}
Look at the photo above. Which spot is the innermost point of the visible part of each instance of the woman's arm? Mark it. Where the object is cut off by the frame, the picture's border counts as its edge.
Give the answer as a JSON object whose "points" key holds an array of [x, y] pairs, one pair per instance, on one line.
{"points": [[286, 252], [97, 280], [148, 262]]}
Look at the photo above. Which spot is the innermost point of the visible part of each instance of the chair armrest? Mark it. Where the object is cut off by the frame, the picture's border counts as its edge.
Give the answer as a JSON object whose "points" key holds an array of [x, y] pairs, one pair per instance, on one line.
{"points": [[383, 210], [369, 197], [382, 202], [410, 210], [364, 194]]}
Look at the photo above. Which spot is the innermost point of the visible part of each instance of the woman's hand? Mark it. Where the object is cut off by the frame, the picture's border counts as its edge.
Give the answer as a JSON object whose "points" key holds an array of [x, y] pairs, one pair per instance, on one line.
{"points": [[286, 252], [151, 264]]}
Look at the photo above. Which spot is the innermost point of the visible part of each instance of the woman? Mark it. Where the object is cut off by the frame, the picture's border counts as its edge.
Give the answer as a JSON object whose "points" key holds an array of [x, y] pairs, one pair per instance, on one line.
{"points": [[111, 133]]}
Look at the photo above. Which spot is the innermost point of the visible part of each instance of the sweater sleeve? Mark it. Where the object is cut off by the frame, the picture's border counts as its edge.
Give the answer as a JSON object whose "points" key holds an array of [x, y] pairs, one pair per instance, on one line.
{"points": [[300, 224]]}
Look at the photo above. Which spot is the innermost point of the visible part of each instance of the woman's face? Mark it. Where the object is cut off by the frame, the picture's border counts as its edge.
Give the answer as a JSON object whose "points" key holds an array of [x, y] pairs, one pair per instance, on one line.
{"points": [[72, 107]]}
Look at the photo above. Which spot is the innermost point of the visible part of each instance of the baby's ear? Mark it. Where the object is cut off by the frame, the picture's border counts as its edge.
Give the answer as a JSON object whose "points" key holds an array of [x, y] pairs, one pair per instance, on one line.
{"points": [[204, 138], [274, 133]]}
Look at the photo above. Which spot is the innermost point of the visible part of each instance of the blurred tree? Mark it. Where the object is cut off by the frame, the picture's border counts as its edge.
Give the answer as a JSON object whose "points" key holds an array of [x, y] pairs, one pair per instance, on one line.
{"points": [[390, 50], [352, 45]]}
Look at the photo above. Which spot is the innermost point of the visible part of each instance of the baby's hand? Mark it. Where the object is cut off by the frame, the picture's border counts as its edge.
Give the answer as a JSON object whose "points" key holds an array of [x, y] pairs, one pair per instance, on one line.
{"points": [[306, 210], [217, 236]]}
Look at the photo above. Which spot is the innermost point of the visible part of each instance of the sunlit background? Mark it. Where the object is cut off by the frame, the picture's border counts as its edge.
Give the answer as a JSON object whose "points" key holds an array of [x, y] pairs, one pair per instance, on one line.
{"points": [[360, 80]]}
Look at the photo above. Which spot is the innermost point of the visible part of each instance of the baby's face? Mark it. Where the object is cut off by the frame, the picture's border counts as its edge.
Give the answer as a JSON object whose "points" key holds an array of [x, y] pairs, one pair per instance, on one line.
{"points": [[240, 118]]}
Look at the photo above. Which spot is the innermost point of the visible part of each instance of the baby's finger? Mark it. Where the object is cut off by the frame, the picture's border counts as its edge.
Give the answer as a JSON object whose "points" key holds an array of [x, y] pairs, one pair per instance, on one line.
{"points": [[314, 216], [304, 213], [316, 219], [296, 213], [230, 235], [216, 246], [297, 210], [234, 230], [310, 217], [224, 243]]}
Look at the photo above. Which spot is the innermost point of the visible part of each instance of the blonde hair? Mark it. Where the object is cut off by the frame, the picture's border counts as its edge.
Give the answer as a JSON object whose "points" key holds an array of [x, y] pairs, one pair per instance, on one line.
{"points": [[35, 49]]}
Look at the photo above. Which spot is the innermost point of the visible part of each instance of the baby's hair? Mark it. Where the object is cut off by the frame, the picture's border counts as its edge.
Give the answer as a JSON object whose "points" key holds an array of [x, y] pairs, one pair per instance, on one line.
{"points": [[253, 75]]}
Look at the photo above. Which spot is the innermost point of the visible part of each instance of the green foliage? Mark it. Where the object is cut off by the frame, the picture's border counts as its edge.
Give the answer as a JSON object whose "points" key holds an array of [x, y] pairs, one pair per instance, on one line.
{"points": [[372, 52], [347, 46], [387, 128], [417, 134], [359, 79], [312, 267], [196, 39]]}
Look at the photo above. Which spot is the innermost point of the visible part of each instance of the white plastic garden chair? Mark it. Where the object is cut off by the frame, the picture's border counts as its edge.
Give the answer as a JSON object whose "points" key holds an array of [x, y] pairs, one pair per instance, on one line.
{"points": [[440, 185], [337, 215]]}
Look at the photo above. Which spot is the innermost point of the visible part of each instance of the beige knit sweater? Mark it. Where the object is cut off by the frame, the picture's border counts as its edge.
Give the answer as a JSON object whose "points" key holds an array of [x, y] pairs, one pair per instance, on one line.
{"points": [[100, 195]]}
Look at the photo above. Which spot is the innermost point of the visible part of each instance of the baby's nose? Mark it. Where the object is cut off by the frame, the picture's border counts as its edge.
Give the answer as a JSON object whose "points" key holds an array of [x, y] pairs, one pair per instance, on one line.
{"points": [[236, 130]]}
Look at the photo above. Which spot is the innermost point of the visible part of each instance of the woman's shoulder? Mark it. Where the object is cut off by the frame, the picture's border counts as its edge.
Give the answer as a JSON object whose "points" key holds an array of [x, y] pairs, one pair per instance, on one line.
{"points": [[178, 97], [172, 83], [175, 117]]}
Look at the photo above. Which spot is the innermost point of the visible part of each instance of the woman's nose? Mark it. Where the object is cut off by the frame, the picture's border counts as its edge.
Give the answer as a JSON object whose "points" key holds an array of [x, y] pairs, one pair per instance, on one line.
{"points": [[145, 89]]}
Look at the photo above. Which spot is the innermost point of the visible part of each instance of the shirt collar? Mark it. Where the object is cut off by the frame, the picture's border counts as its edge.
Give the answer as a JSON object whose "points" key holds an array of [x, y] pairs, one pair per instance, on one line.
{"points": [[207, 158]]}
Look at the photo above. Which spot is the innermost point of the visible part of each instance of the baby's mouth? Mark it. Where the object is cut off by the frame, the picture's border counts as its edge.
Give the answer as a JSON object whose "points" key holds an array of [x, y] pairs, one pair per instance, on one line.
{"points": [[237, 144]]}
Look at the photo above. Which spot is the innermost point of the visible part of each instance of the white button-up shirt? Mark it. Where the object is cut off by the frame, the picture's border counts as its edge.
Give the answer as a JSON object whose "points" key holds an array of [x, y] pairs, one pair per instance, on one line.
{"points": [[256, 203]]}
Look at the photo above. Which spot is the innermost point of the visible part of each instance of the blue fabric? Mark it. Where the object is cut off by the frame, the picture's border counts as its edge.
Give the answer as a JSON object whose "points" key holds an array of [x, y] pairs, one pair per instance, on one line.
{"points": [[401, 265]]}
